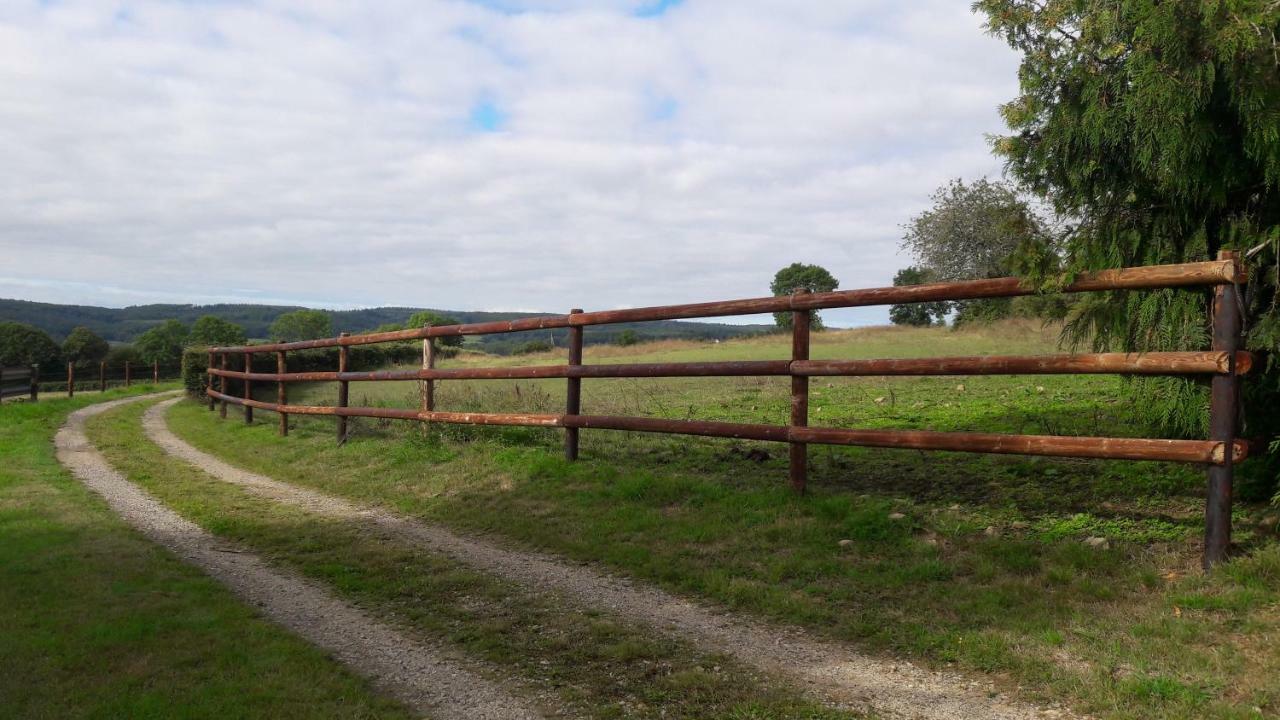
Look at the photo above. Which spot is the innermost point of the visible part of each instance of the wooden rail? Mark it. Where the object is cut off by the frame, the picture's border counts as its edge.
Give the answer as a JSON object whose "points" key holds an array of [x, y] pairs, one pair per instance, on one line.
{"points": [[23, 381], [1224, 363]]}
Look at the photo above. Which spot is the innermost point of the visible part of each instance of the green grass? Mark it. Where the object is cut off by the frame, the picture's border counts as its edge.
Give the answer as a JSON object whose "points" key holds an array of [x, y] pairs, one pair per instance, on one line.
{"points": [[985, 571], [603, 668], [97, 622]]}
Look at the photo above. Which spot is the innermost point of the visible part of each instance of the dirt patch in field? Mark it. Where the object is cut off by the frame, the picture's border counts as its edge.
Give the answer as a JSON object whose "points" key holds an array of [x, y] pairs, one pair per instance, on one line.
{"points": [[425, 678], [834, 672]]}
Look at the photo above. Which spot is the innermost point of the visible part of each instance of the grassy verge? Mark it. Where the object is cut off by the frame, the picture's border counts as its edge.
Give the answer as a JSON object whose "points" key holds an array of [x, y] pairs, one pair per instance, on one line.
{"points": [[96, 621], [603, 668], [972, 561]]}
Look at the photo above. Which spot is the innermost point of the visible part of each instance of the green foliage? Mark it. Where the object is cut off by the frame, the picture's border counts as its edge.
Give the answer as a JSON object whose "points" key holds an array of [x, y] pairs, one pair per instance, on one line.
{"points": [[302, 325], [119, 354], [24, 345], [1154, 123], [213, 330], [627, 337], [533, 346], [918, 314], [423, 318], [83, 346], [796, 277], [162, 343]]}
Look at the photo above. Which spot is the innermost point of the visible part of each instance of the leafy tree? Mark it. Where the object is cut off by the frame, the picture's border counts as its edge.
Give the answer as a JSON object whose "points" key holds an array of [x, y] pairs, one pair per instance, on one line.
{"points": [[798, 276], [83, 346], [918, 314], [1154, 122], [628, 337], [162, 343], [25, 345], [427, 317], [302, 325], [211, 330]]}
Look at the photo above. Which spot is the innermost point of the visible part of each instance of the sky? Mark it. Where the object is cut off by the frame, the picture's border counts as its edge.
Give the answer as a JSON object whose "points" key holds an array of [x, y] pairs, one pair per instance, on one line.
{"points": [[532, 155]]}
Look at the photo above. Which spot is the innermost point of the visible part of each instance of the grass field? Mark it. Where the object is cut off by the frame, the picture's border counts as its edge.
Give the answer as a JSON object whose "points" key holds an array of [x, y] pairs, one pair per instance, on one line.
{"points": [[97, 622], [968, 561]]}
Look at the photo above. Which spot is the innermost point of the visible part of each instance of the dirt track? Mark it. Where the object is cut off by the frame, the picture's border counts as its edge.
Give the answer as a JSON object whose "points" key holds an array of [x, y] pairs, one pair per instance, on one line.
{"points": [[836, 673], [426, 679]]}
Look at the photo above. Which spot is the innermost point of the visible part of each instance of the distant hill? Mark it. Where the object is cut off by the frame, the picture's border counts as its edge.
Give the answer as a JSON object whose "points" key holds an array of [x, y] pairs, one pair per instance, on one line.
{"points": [[125, 324]]}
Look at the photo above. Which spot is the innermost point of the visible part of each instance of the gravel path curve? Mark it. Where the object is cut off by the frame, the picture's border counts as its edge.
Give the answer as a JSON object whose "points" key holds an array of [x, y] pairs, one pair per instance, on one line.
{"points": [[895, 689], [422, 677]]}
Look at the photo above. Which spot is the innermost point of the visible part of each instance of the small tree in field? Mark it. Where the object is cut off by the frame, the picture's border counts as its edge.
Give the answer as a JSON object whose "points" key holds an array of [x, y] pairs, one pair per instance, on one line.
{"points": [[423, 318], [213, 330], [302, 325], [918, 314], [798, 276], [22, 344], [84, 347], [162, 343]]}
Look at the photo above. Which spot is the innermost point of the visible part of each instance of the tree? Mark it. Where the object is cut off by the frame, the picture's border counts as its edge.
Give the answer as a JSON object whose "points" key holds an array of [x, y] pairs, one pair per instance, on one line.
{"points": [[798, 276], [918, 314], [162, 343], [83, 346], [211, 330], [628, 337], [422, 318], [22, 344], [302, 325], [1154, 123]]}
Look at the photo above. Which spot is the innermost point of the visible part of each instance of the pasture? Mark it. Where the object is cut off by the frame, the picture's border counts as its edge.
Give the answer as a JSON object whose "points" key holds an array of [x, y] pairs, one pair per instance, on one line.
{"points": [[1069, 580]]}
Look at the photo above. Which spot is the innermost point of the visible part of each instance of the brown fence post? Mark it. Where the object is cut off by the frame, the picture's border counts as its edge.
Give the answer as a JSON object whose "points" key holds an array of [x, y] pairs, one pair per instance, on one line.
{"points": [[155, 372], [128, 370], [71, 379], [35, 383], [428, 363], [1223, 421], [573, 394], [102, 376], [343, 357], [282, 394], [248, 387], [209, 381], [799, 398], [222, 387]]}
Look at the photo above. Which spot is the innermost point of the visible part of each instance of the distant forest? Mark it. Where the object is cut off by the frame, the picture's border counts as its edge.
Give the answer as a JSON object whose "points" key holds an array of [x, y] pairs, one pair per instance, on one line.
{"points": [[122, 325]]}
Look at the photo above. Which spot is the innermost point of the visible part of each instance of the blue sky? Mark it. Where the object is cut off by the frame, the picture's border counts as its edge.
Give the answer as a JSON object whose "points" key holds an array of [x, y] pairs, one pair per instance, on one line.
{"points": [[478, 154]]}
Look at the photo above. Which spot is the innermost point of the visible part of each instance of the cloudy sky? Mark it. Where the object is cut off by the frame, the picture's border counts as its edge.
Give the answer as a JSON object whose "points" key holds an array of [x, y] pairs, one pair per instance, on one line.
{"points": [[482, 154]]}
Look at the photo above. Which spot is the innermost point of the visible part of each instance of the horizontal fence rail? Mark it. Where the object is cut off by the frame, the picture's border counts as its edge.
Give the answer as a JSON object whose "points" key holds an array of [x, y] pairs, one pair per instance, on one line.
{"points": [[1224, 364], [22, 381]]}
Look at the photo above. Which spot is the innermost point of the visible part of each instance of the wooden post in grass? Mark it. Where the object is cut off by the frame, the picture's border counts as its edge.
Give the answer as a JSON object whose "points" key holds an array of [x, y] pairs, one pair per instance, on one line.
{"points": [[35, 383], [155, 372], [282, 394], [128, 369], [799, 398], [428, 363], [248, 388], [222, 387], [573, 394], [1224, 418], [209, 381], [102, 376], [71, 379], [343, 358]]}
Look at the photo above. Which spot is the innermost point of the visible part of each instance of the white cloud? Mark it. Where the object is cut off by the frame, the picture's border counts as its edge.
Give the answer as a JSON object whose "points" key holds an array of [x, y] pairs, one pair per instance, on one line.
{"points": [[325, 151]]}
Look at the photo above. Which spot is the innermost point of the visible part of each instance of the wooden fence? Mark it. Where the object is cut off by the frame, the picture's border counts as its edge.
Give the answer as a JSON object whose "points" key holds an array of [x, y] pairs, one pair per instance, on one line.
{"points": [[1224, 363], [103, 376], [19, 382]]}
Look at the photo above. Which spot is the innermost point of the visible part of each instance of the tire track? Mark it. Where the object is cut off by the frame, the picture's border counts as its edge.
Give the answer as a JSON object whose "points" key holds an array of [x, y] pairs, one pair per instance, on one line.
{"points": [[424, 678], [893, 688]]}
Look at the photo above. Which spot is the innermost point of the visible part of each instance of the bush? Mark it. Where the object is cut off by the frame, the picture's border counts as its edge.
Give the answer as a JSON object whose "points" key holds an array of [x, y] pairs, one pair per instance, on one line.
{"points": [[533, 346], [195, 377]]}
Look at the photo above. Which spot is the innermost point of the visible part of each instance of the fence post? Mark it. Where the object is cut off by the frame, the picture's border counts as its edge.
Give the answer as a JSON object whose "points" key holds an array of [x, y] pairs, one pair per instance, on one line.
{"points": [[155, 372], [35, 383], [799, 397], [573, 394], [128, 370], [222, 387], [209, 381], [1224, 420], [343, 356], [102, 376], [71, 379], [282, 395], [248, 387], [428, 363]]}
